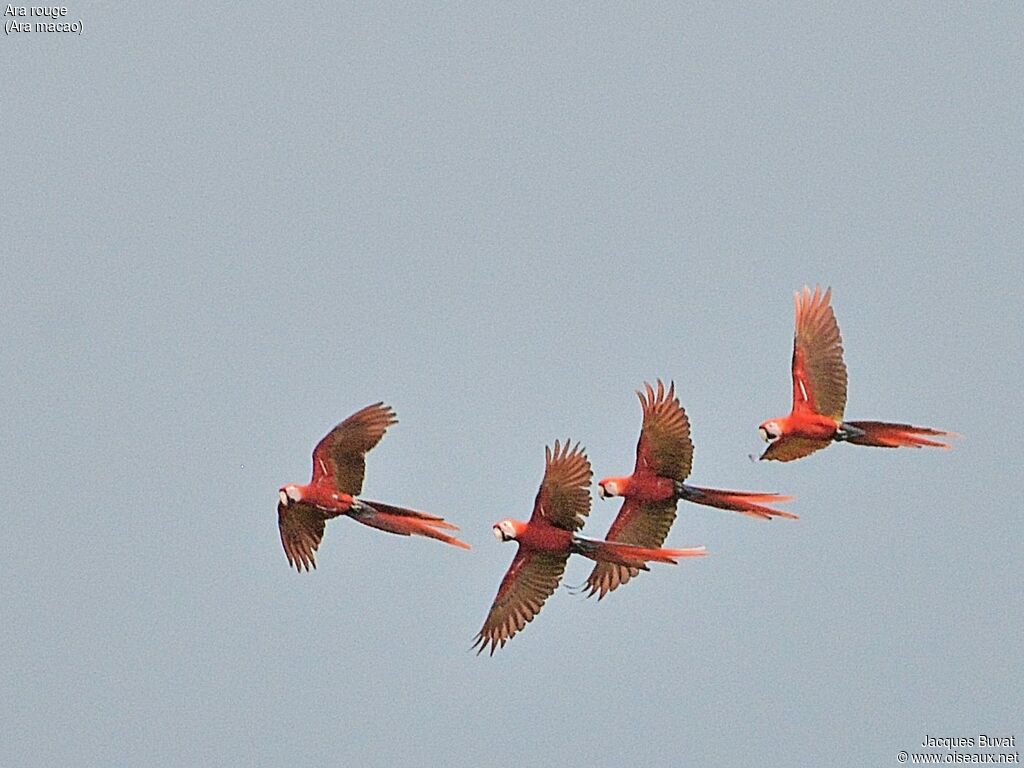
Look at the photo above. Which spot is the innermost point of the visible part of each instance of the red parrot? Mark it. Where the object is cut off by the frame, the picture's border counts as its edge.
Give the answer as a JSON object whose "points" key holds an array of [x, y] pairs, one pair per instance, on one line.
{"points": [[819, 394], [547, 540], [664, 454], [338, 467]]}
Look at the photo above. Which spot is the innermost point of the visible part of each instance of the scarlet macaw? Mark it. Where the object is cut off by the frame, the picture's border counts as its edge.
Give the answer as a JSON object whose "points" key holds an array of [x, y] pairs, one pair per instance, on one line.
{"points": [[819, 394], [547, 540], [664, 455], [338, 468]]}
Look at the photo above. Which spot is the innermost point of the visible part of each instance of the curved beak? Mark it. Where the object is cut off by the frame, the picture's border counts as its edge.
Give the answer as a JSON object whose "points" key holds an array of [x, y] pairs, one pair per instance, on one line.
{"points": [[764, 434], [602, 492], [497, 533]]}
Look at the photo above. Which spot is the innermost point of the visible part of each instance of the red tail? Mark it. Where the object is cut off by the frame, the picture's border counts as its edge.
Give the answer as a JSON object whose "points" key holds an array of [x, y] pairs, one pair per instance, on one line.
{"points": [[406, 522], [629, 555], [885, 435], [738, 501]]}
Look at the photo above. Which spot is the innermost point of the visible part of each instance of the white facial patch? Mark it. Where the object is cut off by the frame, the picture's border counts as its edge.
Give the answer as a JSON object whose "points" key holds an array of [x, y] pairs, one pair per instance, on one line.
{"points": [[505, 530]]}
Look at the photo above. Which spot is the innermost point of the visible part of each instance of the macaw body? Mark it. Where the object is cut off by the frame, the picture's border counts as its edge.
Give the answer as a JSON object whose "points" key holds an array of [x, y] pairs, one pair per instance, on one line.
{"points": [[664, 455], [541, 535], [338, 469], [810, 426], [325, 496], [643, 485], [547, 540], [819, 394]]}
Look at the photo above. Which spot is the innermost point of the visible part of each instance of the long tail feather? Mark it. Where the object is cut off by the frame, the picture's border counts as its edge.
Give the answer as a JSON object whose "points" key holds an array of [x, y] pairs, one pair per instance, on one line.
{"points": [[436, 521], [885, 435], [632, 556], [751, 504], [405, 522]]}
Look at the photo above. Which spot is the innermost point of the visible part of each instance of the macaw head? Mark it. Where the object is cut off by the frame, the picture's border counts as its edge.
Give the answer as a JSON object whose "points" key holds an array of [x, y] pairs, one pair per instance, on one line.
{"points": [[612, 486], [770, 431], [288, 494], [608, 487], [506, 530]]}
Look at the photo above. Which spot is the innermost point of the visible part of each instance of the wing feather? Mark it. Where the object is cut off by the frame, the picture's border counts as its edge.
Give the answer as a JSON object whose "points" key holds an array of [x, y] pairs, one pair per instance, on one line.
{"points": [[564, 495], [528, 583], [340, 455], [791, 448], [664, 447], [819, 373], [642, 524], [302, 528]]}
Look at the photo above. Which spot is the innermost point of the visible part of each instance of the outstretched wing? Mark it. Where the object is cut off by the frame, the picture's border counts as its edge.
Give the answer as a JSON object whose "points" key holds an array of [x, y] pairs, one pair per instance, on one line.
{"points": [[791, 448], [664, 447], [529, 581], [302, 528], [643, 524], [340, 456], [819, 373], [564, 495]]}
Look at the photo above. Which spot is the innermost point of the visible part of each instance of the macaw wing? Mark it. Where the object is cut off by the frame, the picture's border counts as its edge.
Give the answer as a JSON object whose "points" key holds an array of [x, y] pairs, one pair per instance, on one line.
{"points": [[819, 373], [791, 448], [642, 524], [664, 447], [564, 495], [302, 528], [529, 581], [340, 455]]}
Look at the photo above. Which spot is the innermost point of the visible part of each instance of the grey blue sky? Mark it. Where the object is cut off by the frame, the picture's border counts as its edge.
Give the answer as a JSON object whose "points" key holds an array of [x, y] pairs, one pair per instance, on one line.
{"points": [[223, 231]]}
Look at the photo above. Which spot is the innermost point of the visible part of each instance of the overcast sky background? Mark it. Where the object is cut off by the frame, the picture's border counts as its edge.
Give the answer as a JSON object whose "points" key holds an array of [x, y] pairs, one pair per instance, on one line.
{"points": [[225, 231]]}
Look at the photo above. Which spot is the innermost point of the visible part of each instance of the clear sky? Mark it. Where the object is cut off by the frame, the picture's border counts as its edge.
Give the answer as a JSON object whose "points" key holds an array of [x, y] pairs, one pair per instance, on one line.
{"points": [[224, 231]]}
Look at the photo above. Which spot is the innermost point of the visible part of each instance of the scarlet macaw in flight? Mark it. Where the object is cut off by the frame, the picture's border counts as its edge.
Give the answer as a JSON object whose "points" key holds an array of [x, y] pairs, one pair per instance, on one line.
{"points": [[664, 455], [338, 468], [547, 540], [819, 394]]}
